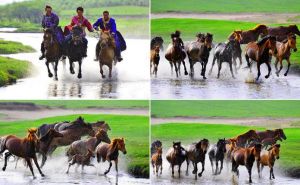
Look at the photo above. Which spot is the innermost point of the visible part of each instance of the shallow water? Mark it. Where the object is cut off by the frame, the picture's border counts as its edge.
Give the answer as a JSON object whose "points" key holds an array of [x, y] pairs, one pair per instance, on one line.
{"points": [[168, 86], [130, 77]]}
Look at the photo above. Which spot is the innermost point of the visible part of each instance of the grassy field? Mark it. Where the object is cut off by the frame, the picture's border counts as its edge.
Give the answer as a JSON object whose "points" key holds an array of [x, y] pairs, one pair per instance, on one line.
{"points": [[221, 29], [225, 6], [226, 108], [10, 47], [187, 133], [135, 130]]}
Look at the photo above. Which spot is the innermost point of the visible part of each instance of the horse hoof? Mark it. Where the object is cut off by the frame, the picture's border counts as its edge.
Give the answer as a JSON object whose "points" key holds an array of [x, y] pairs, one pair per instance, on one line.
{"points": [[105, 172], [204, 77], [186, 73], [285, 74], [56, 79], [50, 75], [43, 175], [79, 76], [72, 72], [103, 76], [3, 169], [267, 76], [199, 174]]}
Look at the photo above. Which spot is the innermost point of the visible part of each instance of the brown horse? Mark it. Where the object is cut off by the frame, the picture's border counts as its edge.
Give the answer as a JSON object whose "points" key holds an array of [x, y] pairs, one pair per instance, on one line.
{"points": [[154, 60], [83, 160], [284, 52], [270, 141], [25, 148], [243, 139], [260, 53], [281, 32], [251, 35], [237, 50], [245, 157], [52, 51], [176, 156], [110, 152], [230, 146], [156, 160], [82, 146], [271, 134], [106, 51], [268, 159]]}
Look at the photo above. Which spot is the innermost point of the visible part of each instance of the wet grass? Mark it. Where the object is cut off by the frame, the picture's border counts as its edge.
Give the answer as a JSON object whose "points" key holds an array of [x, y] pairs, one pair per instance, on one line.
{"points": [[10, 47], [226, 108], [135, 130], [225, 6], [187, 133]]}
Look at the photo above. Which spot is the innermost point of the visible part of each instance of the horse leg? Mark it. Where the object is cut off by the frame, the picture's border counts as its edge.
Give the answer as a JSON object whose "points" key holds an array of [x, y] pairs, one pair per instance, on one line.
{"points": [[212, 165], [248, 62], [110, 70], [187, 167], [258, 71], [176, 69], [219, 68], [38, 167], [221, 168], [79, 71], [249, 168], [179, 66], [204, 70], [55, 69], [203, 164], [172, 170], [192, 69], [179, 169], [212, 65], [273, 173], [230, 66], [44, 159], [70, 164], [5, 160], [49, 71], [217, 167], [171, 64], [288, 68], [116, 166], [240, 59], [101, 70], [276, 68], [110, 164], [155, 69], [185, 71], [16, 163], [30, 166], [161, 167], [269, 70], [71, 67], [258, 169]]}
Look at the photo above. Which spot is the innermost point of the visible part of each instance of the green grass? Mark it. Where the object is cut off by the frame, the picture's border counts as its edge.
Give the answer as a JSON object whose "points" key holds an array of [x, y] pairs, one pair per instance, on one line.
{"points": [[10, 47], [226, 108], [187, 133], [135, 130], [12, 69], [225, 6]]}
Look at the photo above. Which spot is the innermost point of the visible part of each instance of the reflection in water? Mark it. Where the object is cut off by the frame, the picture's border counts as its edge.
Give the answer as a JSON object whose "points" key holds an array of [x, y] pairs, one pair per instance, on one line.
{"points": [[108, 89]]}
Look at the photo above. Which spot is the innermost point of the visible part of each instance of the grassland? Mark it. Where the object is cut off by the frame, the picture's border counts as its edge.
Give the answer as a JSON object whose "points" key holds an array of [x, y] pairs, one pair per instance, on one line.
{"points": [[225, 6], [187, 133], [135, 130], [10, 47]]}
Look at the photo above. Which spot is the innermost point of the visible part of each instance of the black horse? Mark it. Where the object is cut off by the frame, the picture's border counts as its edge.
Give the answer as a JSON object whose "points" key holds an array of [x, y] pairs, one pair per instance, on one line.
{"points": [[217, 153], [157, 41]]}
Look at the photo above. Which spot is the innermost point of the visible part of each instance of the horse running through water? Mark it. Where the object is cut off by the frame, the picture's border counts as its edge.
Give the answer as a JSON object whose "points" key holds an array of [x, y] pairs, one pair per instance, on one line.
{"points": [[198, 51], [284, 52], [156, 160], [251, 35], [83, 160], [245, 157], [281, 32], [110, 152], [176, 155], [268, 159], [106, 51], [196, 153], [24, 148], [260, 53], [217, 153], [53, 51], [154, 60], [243, 139]]}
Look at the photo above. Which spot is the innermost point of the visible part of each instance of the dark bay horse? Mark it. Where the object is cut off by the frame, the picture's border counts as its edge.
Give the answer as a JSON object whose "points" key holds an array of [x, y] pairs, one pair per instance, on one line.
{"points": [[281, 32], [198, 51], [268, 159], [154, 60], [53, 51], [284, 52], [271, 134], [243, 139], [251, 35], [245, 157], [260, 53], [217, 153], [176, 155], [110, 152], [24, 148], [196, 153]]}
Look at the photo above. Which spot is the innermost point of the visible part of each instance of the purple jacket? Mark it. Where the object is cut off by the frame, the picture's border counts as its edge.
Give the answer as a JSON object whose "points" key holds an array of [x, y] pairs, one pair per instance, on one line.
{"points": [[51, 21]]}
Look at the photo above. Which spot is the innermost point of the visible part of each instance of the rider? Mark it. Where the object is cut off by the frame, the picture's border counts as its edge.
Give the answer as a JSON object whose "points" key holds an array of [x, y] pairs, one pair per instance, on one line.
{"points": [[50, 20], [79, 20], [107, 23]]}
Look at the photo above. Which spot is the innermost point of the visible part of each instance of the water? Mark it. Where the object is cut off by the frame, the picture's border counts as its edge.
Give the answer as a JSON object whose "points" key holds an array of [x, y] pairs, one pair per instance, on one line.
{"points": [[130, 77], [170, 87]]}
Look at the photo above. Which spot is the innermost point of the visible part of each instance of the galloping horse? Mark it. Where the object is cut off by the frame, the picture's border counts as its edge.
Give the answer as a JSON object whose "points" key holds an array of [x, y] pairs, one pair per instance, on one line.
{"points": [[281, 32], [110, 152], [176, 156], [154, 60], [198, 51], [251, 35], [156, 160], [25, 148], [217, 153], [245, 157], [53, 51], [284, 52], [196, 153], [268, 159], [260, 52], [106, 51], [154, 145], [75, 49], [271, 134], [243, 139]]}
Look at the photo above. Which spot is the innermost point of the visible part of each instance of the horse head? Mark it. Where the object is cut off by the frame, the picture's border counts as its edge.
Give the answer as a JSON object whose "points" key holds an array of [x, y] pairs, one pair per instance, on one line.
{"points": [[221, 145], [294, 29], [200, 37], [121, 145], [238, 35], [203, 145], [48, 37], [77, 33], [261, 29], [156, 50], [275, 150], [292, 41], [33, 138], [107, 40], [159, 151], [103, 136], [177, 148], [280, 133], [208, 40]]}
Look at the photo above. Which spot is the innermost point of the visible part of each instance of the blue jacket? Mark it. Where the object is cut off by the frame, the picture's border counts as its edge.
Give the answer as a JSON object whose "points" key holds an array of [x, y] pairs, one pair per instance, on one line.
{"points": [[51, 21], [111, 25]]}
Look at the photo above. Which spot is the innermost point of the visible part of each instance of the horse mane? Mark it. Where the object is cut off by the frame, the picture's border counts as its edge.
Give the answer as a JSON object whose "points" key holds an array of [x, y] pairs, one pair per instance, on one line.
{"points": [[258, 26], [113, 143]]}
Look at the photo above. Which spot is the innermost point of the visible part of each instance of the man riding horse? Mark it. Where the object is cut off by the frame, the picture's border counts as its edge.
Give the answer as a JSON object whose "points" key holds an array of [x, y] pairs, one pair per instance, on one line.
{"points": [[106, 23], [50, 21], [81, 21]]}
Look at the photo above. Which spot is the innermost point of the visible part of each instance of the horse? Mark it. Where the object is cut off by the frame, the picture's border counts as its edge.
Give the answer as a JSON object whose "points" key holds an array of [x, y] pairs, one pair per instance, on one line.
{"points": [[217, 153], [259, 52], [106, 51], [281, 32], [237, 50], [284, 52], [251, 35], [154, 145], [110, 152], [82, 146], [198, 51], [271, 134], [154, 60], [157, 41], [24, 148], [224, 53], [270, 141], [156, 160], [176, 155], [268, 159], [243, 139], [245, 157], [230, 146], [83, 160], [196, 153], [175, 55], [53, 52], [75, 50]]}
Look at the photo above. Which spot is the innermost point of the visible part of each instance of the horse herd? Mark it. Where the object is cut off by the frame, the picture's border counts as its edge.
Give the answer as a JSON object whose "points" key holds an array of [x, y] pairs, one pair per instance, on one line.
{"points": [[274, 41], [54, 52], [45, 139], [242, 150]]}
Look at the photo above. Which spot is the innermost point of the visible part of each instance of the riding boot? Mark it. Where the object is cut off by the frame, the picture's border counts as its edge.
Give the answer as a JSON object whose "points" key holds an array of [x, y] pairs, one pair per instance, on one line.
{"points": [[118, 55], [42, 51]]}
